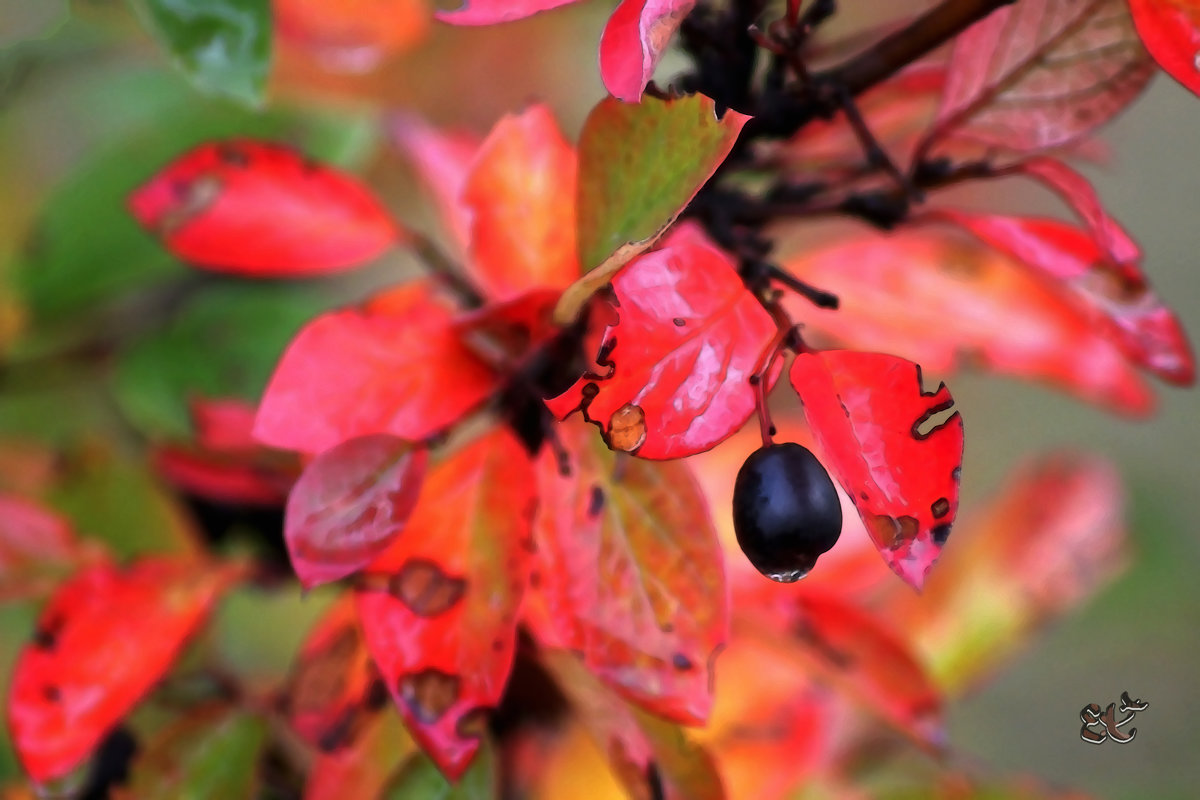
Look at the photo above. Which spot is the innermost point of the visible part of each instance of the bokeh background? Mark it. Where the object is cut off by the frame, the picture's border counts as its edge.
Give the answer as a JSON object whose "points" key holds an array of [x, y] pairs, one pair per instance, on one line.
{"points": [[89, 106]]}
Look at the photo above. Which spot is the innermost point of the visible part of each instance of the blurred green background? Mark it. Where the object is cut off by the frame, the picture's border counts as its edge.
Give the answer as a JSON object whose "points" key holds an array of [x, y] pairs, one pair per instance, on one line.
{"points": [[89, 106]]}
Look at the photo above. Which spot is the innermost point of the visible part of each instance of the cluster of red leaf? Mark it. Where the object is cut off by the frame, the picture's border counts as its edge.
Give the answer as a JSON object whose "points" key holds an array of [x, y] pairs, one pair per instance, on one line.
{"points": [[420, 414]]}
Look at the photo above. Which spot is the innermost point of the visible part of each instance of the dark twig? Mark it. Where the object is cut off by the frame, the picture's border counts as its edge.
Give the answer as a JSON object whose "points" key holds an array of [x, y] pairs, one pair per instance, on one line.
{"points": [[446, 270]]}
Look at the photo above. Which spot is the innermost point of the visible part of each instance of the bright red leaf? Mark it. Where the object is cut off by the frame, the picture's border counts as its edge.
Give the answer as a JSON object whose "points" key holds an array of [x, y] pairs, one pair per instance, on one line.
{"points": [[518, 193], [395, 366], [334, 690], [489, 12], [944, 303], [1042, 73], [1148, 331], [352, 34], [442, 630], [871, 417], [349, 504], [263, 210], [634, 40], [631, 572], [106, 637], [1170, 29], [687, 339]]}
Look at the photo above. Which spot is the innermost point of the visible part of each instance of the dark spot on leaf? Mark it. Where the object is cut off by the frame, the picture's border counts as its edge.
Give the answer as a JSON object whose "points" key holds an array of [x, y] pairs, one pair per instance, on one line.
{"points": [[679, 322], [51, 693], [472, 724], [940, 534], [425, 588], [627, 428], [940, 508], [428, 694], [845, 410], [498, 646], [320, 679], [375, 697], [891, 532], [341, 731], [667, 627], [752, 380], [864, 496], [681, 662], [46, 637], [596, 501], [232, 155], [823, 647], [535, 579]]}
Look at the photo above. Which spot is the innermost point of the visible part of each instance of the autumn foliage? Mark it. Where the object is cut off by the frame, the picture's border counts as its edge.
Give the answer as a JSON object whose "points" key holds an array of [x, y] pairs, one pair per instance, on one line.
{"points": [[507, 481]]}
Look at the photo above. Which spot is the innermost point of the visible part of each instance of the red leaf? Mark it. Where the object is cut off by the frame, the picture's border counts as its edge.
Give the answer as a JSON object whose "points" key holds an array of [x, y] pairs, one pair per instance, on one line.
{"points": [[395, 366], [642, 750], [30, 533], [444, 630], [224, 424], [687, 339], [489, 12], [632, 574], [263, 210], [508, 333], [332, 690], [634, 40], [352, 35], [1118, 294], [442, 159], [864, 657], [350, 503], [365, 767], [944, 303], [1170, 29], [1077, 192], [522, 233], [106, 637], [869, 413], [1042, 73]]}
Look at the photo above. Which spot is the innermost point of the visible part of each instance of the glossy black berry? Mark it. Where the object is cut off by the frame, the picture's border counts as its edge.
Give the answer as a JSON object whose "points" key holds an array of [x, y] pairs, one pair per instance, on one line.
{"points": [[785, 511]]}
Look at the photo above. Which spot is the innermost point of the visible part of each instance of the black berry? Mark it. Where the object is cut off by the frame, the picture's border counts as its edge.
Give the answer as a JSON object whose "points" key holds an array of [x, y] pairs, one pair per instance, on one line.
{"points": [[785, 511]]}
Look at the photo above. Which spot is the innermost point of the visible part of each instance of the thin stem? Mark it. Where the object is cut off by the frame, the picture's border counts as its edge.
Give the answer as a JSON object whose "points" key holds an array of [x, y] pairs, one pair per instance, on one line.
{"points": [[446, 270], [818, 297]]}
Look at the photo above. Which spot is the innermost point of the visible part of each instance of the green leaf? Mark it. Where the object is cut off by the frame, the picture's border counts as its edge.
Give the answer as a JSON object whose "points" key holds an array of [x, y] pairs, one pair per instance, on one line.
{"points": [[119, 502], [421, 780], [206, 755], [223, 46], [224, 343], [639, 165]]}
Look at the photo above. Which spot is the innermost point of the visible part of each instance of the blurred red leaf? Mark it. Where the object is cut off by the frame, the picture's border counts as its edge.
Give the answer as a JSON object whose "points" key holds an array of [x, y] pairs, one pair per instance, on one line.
{"points": [[263, 210], [105, 638], [927, 297], [632, 574], [865, 657], [1118, 294], [1077, 192], [687, 338], [870, 415], [442, 159], [1042, 73], [443, 631], [522, 230], [505, 334], [395, 366], [1050, 538], [225, 463], [365, 766], [331, 694], [489, 12], [352, 34], [31, 533], [651, 757], [634, 40], [1170, 29], [349, 504]]}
